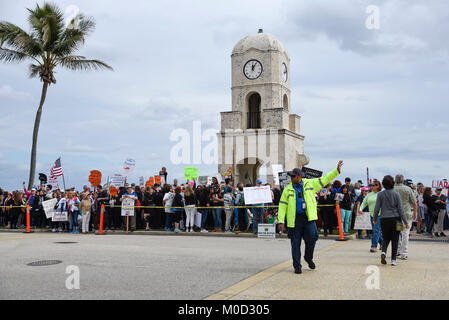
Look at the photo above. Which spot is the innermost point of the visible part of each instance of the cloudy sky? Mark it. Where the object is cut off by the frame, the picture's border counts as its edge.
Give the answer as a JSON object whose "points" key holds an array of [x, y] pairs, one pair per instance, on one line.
{"points": [[374, 98]]}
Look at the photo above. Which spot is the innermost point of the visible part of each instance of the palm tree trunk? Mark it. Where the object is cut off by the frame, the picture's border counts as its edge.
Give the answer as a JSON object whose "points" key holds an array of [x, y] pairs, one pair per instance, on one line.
{"points": [[37, 121]]}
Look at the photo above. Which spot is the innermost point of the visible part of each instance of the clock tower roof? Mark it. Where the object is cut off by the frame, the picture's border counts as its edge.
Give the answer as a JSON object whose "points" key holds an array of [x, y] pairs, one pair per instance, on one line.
{"points": [[260, 41]]}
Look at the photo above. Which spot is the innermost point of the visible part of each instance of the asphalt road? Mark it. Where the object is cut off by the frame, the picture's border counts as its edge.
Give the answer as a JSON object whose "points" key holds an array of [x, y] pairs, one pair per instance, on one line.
{"points": [[133, 266]]}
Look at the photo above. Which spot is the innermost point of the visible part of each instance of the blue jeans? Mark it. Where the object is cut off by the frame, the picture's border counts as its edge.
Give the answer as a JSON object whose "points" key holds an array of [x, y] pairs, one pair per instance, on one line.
{"points": [[216, 213], [73, 220], [257, 214], [204, 213], [306, 230], [428, 221], [168, 220], [377, 236], [236, 216], [345, 216]]}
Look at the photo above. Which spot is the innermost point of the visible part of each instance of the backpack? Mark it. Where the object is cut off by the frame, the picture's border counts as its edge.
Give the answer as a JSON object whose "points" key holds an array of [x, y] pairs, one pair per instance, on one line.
{"points": [[241, 199]]}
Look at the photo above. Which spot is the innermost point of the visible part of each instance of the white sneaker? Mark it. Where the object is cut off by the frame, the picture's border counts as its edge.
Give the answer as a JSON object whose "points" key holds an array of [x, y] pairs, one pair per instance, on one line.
{"points": [[191, 230], [204, 230], [393, 262], [403, 257], [53, 230]]}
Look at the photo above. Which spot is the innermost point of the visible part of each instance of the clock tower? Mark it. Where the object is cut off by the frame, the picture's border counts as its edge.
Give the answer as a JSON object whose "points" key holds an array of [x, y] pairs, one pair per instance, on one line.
{"points": [[260, 118]]}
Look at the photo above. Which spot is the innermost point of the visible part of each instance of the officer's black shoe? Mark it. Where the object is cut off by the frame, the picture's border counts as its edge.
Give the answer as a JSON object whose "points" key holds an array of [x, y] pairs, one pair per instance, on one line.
{"points": [[298, 271], [311, 265]]}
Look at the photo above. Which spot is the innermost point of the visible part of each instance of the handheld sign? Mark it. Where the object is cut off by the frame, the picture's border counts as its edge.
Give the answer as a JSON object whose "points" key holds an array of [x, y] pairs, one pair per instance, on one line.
{"points": [[113, 191], [59, 216], [190, 173], [157, 180], [257, 195], [363, 222], [128, 207], [95, 178], [49, 207], [151, 181]]}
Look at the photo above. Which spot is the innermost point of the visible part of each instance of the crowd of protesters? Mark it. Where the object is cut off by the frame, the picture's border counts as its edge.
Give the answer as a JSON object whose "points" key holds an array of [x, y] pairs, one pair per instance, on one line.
{"points": [[176, 208]]}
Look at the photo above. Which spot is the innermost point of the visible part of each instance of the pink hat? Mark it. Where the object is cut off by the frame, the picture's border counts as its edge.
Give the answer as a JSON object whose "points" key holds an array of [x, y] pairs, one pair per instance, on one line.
{"points": [[365, 189]]}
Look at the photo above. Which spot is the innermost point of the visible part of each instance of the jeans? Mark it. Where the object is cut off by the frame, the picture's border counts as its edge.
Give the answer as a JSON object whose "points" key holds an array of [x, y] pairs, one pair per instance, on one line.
{"points": [[236, 216], [168, 220], [257, 214], [306, 230], [377, 236], [204, 213], [73, 220], [428, 221], [345, 216], [216, 213]]}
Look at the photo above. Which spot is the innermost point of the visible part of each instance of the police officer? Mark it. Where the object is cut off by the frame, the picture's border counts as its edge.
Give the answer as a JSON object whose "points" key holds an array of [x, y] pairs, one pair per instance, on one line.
{"points": [[298, 206]]}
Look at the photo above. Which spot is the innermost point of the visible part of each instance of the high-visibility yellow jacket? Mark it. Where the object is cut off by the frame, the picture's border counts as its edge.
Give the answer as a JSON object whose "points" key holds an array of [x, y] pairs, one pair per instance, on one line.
{"points": [[287, 204]]}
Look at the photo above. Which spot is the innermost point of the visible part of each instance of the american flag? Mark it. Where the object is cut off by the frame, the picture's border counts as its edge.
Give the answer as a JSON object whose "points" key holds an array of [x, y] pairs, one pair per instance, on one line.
{"points": [[56, 170]]}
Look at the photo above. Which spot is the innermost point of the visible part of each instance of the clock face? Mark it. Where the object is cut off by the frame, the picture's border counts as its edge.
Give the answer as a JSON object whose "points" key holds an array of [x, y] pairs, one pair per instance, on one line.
{"points": [[284, 72], [252, 69]]}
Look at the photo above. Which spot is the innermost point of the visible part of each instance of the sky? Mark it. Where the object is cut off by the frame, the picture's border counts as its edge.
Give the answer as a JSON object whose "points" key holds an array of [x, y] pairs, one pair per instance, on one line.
{"points": [[374, 98]]}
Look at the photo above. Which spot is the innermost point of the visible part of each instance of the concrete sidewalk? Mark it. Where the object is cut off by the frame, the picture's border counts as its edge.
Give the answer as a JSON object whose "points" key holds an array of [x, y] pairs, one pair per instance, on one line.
{"points": [[341, 274]]}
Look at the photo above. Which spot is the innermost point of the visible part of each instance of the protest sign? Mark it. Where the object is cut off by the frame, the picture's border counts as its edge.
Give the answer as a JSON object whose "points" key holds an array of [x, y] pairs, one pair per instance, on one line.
{"points": [[49, 207], [127, 207], [257, 195], [284, 179], [209, 181], [95, 178], [202, 180], [266, 231], [311, 173], [363, 222], [339, 196], [118, 180], [190, 173], [151, 181], [141, 182], [276, 169], [53, 181], [157, 180], [128, 166], [323, 192], [59, 216], [219, 178], [113, 191]]}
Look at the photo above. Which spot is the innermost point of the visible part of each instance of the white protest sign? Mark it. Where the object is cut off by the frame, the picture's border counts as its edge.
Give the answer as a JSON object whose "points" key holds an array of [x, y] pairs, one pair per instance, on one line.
{"points": [[209, 181], [49, 207], [339, 197], [53, 181], [363, 222], [118, 180], [276, 169], [202, 180], [127, 207], [59, 216], [141, 182], [198, 217], [219, 178], [257, 195], [266, 231], [129, 165]]}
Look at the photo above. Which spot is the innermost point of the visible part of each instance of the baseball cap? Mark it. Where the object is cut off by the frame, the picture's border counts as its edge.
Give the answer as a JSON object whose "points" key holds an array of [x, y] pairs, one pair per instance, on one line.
{"points": [[258, 181], [439, 188], [296, 172]]}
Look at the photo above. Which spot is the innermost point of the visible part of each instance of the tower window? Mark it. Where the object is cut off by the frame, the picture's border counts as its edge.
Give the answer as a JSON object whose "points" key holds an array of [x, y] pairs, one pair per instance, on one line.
{"points": [[254, 111]]}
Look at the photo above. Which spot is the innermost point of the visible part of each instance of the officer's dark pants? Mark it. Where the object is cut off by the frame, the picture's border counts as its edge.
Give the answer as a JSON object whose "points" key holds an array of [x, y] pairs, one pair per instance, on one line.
{"points": [[303, 230]]}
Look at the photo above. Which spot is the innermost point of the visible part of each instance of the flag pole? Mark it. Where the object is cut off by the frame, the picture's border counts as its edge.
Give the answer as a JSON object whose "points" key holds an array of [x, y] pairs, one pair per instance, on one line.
{"points": [[63, 180]]}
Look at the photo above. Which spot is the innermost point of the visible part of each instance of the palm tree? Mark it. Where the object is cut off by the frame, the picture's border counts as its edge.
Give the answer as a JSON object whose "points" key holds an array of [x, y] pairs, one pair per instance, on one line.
{"points": [[49, 44]]}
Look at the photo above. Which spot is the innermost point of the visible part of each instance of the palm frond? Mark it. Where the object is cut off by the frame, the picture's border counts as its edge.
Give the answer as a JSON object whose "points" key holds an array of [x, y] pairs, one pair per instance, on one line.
{"points": [[17, 39], [74, 35], [8, 55], [48, 22], [81, 63], [35, 70]]}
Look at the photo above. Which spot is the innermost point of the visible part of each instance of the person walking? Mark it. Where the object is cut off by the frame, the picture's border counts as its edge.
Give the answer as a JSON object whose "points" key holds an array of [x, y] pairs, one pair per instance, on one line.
{"points": [[370, 202], [390, 203], [298, 209], [408, 199]]}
